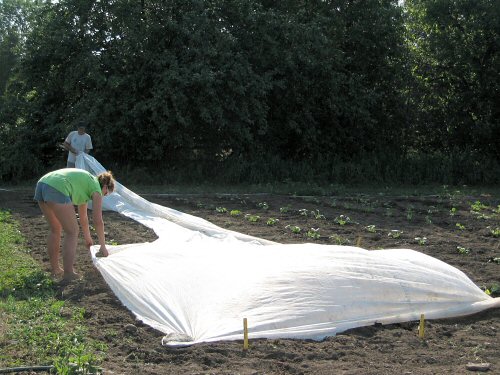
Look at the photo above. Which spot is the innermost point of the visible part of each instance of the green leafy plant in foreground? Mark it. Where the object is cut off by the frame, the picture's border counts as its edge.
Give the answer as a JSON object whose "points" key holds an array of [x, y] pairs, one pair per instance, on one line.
{"points": [[463, 250], [421, 240], [342, 220], [36, 327], [235, 213], [294, 228], [272, 221], [395, 233], [252, 218], [371, 228], [313, 233]]}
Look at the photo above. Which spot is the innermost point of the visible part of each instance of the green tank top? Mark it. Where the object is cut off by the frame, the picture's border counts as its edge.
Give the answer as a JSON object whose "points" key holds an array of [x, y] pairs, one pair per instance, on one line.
{"points": [[75, 183]]}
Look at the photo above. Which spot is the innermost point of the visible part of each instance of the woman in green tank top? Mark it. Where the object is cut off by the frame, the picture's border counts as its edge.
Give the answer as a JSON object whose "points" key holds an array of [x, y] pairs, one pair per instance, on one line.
{"points": [[56, 193]]}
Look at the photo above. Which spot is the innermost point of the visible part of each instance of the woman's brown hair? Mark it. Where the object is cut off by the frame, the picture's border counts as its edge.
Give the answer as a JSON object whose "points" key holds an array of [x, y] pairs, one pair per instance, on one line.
{"points": [[107, 179]]}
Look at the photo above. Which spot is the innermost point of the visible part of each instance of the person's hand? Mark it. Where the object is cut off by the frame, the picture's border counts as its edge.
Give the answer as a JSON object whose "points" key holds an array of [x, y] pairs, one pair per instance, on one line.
{"points": [[103, 252], [89, 242]]}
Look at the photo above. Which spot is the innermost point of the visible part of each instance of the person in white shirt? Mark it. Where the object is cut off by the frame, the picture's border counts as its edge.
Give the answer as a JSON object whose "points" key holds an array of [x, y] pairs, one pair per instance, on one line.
{"points": [[76, 142]]}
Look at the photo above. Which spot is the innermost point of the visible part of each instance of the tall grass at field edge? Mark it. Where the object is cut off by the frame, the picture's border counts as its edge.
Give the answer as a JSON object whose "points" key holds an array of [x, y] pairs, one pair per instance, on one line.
{"points": [[37, 328]]}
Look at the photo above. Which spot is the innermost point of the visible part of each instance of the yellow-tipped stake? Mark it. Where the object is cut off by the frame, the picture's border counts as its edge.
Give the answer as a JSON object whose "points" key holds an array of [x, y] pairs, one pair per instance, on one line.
{"points": [[245, 334], [421, 326], [358, 242]]}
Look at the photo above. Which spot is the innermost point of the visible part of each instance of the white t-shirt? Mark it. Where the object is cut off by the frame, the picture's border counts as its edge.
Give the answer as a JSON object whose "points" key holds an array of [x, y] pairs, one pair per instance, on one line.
{"points": [[79, 142]]}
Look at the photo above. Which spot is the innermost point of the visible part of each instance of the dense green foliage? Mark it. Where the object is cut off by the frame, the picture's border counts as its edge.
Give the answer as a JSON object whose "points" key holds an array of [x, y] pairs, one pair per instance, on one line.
{"points": [[253, 91]]}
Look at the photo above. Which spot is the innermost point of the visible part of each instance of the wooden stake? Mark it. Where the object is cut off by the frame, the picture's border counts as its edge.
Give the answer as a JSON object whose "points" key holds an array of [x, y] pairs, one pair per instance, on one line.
{"points": [[245, 334], [421, 326], [358, 242]]}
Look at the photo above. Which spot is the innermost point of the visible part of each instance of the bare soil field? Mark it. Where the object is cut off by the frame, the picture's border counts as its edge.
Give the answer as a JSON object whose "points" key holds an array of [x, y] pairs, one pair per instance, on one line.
{"points": [[447, 227]]}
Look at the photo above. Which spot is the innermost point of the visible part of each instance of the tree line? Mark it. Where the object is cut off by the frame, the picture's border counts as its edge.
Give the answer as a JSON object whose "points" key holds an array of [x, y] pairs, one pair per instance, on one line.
{"points": [[248, 91]]}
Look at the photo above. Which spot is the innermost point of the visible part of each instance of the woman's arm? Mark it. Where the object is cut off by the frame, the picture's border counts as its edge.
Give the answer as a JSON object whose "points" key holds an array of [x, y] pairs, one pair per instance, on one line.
{"points": [[84, 222], [98, 222]]}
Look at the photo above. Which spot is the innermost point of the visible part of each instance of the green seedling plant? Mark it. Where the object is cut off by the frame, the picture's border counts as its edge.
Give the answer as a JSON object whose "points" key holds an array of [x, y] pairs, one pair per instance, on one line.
{"points": [[463, 250], [285, 209], [460, 226], [272, 221], [221, 210], [493, 290], [432, 209], [453, 211], [316, 214], [422, 241], [494, 260], [252, 218], [313, 233], [263, 206], [477, 206], [409, 213], [294, 228], [395, 233], [339, 240], [235, 213], [495, 232], [428, 219], [371, 228], [303, 212], [481, 215], [342, 220]]}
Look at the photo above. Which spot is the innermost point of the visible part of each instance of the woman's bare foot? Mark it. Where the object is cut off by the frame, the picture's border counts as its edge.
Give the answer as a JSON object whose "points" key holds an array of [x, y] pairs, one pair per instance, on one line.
{"points": [[57, 274], [71, 276]]}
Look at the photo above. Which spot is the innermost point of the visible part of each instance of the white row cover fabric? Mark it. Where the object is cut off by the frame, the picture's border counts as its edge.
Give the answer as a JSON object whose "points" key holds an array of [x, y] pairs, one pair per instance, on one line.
{"points": [[198, 281]]}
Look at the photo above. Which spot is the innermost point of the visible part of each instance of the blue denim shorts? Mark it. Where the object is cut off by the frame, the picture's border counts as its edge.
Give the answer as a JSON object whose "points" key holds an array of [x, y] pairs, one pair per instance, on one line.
{"points": [[46, 193]]}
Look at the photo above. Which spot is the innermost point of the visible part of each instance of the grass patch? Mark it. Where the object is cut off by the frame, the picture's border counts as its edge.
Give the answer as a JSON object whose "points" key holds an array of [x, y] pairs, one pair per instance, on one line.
{"points": [[35, 327]]}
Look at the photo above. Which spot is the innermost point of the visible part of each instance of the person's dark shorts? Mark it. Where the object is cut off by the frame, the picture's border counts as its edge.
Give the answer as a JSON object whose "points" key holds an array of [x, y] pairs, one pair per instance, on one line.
{"points": [[46, 193]]}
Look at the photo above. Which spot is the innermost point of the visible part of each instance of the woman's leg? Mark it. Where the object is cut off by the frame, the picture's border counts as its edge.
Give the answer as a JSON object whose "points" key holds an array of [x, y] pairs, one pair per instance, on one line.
{"points": [[65, 214], [53, 239]]}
